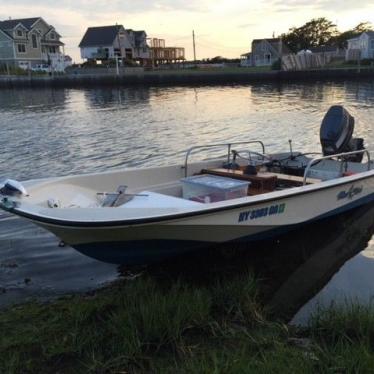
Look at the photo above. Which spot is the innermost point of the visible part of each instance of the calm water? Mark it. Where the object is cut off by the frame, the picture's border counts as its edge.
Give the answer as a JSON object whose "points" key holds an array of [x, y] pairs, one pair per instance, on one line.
{"points": [[60, 132]]}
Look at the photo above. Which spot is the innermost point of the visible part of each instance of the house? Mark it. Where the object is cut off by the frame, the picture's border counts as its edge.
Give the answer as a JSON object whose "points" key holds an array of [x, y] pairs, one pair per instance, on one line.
{"points": [[108, 42], [246, 59], [328, 50], [162, 54], [30, 42], [138, 40], [264, 52], [68, 61], [361, 47]]}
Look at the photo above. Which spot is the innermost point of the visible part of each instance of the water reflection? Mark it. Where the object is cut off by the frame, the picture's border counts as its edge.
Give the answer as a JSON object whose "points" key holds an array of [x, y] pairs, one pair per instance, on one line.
{"points": [[293, 267], [32, 101], [32, 265], [109, 98]]}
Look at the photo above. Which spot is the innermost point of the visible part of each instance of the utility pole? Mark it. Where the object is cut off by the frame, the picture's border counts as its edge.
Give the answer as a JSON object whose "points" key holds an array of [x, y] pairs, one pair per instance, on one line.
{"points": [[194, 45], [117, 67]]}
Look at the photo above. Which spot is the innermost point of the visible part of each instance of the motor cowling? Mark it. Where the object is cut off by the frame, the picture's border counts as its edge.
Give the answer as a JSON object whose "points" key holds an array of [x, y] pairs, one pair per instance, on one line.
{"points": [[13, 188], [336, 134]]}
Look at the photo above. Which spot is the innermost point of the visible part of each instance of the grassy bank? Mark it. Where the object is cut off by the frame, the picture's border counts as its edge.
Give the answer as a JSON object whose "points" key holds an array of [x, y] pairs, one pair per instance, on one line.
{"points": [[172, 325]]}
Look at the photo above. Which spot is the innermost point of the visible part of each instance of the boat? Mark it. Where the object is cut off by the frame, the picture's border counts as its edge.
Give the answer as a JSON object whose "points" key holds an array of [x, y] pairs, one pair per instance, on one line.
{"points": [[144, 215]]}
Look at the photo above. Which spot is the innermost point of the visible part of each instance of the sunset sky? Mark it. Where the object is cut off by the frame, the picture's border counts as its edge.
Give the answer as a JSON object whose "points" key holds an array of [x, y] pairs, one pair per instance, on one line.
{"points": [[222, 27]]}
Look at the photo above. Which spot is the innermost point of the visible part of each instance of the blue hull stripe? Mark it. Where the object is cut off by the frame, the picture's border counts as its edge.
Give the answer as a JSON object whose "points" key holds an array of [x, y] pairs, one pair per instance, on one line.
{"points": [[147, 251]]}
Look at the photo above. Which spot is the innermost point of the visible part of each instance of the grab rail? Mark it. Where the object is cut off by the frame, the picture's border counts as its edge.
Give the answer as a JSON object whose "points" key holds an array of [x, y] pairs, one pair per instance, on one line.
{"points": [[228, 145], [312, 162]]}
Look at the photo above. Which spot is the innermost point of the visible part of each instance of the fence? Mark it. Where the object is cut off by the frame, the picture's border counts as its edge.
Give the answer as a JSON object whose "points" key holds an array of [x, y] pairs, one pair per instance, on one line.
{"points": [[305, 61]]}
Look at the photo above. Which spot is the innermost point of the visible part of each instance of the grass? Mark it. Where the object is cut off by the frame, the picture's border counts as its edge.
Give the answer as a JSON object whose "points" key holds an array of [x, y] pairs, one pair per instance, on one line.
{"points": [[225, 70], [172, 325]]}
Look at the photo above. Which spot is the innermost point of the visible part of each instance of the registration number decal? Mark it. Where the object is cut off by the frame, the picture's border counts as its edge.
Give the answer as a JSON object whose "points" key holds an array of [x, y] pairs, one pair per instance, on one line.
{"points": [[262, 212]]}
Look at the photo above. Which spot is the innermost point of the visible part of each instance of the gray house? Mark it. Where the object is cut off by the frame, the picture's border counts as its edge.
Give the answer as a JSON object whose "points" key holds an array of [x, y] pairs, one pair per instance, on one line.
{"points": [[264, 52], [361, 47], [108, 42], [29, 42]]}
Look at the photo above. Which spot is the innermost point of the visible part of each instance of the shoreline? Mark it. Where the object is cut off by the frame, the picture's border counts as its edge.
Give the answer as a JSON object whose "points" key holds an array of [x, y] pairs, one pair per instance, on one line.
{"points": [[146, 325], [181, 77]]}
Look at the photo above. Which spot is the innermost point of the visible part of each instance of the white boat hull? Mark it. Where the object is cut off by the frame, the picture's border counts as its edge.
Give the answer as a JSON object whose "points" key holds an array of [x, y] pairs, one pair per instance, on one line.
{"points": [[144, 240]]}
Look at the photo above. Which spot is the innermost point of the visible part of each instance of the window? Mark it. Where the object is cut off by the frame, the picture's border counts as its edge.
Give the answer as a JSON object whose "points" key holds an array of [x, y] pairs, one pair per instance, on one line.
{"points": [[19, 33], [372, 43], [53, 35], [21, 48], [34, 41], [52, 49]]}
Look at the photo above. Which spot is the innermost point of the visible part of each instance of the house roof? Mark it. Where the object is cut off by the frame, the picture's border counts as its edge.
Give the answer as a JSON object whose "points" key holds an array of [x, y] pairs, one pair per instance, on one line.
{"points": [[270, 40], [12, 23], [138, 37], [102, 35], [324, 49], [27, 23], [274, 42]]}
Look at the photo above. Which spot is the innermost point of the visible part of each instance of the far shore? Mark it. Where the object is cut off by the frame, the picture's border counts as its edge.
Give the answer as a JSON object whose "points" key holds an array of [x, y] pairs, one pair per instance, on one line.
{"points": [[82, 78]]}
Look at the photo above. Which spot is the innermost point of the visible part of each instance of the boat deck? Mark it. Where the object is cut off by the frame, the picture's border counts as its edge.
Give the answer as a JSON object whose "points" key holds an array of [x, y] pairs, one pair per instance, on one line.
{"points": [[262, 182]]}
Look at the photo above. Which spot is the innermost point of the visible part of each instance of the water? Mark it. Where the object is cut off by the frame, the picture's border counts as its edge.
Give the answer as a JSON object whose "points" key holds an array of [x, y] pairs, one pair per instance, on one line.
{"points": [[59, 132]]}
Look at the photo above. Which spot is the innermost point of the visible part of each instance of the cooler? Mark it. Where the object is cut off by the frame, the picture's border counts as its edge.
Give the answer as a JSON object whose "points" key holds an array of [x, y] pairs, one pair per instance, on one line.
{"points": [[210, 188]]}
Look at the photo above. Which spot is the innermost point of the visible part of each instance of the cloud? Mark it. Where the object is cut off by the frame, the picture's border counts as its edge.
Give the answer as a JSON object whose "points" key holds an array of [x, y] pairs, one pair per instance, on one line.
{"points": [[246, 25], [222, 27], [321, 5], [125, 6]]}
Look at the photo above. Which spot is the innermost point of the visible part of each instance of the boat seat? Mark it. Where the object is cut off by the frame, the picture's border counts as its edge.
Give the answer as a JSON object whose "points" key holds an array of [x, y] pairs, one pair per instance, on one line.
{"points": [[295, 178]]}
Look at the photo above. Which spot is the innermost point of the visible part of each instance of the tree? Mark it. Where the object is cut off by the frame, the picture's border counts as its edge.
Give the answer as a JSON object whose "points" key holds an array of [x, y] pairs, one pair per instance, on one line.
{"points": [[341, 39], [315, 33]]}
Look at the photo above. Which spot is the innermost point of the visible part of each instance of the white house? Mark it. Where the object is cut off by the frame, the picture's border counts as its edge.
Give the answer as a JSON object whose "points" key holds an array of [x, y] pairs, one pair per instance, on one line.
{"points": [[108, 42], [361, 47], [264, 52]]}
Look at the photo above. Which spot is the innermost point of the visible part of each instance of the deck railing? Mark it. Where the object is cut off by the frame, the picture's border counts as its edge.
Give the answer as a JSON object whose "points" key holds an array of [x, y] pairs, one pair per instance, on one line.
{"points": [[228, 145], [317, 159]]}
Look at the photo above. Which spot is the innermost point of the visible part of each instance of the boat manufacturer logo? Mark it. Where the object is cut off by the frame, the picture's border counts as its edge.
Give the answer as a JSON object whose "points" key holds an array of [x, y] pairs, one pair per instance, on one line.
{"points": [[262, 212], [353, 191]]}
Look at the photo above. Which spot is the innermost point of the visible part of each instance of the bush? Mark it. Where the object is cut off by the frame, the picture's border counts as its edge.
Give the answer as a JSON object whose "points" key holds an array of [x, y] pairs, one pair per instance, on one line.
{"points": [[12, 70], [277, 65], [367, 62]]}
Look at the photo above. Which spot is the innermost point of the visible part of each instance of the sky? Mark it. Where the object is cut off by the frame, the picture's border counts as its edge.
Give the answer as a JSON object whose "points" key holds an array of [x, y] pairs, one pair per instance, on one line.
{"points": [[222, 27]]}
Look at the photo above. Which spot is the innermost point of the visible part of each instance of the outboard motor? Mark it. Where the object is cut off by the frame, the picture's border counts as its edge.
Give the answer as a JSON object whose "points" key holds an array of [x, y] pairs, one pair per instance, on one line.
{"points": [[12, 188], [336, 134]]}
